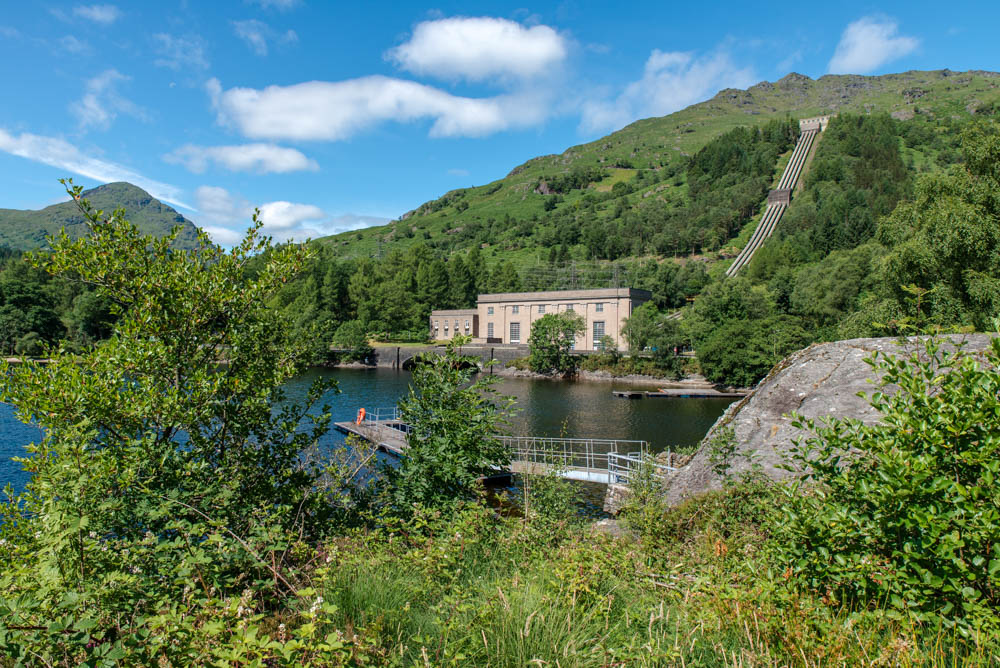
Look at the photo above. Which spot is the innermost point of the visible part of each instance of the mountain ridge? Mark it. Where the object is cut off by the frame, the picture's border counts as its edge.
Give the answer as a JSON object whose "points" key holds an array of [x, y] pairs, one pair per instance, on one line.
{"points": [[26, 229]]}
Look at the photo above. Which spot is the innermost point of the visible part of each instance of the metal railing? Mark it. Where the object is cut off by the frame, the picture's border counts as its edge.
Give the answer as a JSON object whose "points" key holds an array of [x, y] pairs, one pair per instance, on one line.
{"points": [[588, 454], [620, 459], [384, 414], [624, 467]]}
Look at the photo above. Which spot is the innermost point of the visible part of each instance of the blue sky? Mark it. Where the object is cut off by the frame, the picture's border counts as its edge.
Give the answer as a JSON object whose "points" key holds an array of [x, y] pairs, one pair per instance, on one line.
{"points": [[332, 116]]}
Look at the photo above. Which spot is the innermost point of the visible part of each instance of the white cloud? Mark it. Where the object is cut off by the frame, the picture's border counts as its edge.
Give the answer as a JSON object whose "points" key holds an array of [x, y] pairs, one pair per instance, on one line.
{"points": [[260, 158], [670, 81], [103, 14], [458, 172], [325, 110], [8, 32], [868, 43], [282, 5], [480, 48], [72, 44], [285, 215], [177, 52], [226, 217], [61, 154], [257, 34], [101, 103]]}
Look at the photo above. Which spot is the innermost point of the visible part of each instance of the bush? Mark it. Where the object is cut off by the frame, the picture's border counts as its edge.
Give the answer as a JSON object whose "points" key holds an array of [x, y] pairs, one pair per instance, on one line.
{"points": [[29, 345], [352, 336], [452, 440], [551, 341], [906, 513]]}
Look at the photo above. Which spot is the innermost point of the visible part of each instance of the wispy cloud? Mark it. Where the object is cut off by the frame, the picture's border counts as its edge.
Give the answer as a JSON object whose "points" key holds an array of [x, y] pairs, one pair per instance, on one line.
{"points": [[258, 34], [670, 81], [179, 52], [336, 110], [260, 158], [282, 5], [73, 44], [869, 43], [103, 14], [476, 49], [59, 153], [101, 103]]}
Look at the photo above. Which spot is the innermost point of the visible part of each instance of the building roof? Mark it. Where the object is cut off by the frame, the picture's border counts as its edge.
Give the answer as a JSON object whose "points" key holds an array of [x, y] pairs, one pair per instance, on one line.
{"points": [[456, 311], [562, 295]]}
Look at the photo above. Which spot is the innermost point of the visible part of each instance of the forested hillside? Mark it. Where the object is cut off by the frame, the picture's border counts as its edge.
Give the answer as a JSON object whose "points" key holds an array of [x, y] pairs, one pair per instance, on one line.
{"points": [[634, 184], [870, 246]]}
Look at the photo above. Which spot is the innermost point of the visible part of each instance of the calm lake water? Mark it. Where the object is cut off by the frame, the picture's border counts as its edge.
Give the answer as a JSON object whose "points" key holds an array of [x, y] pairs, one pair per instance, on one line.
{"points": [[545, 408]]}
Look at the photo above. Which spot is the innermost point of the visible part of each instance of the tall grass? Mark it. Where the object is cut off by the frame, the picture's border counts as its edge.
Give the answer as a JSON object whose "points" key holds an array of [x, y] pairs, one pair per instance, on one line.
{"points": [[479, 590]]}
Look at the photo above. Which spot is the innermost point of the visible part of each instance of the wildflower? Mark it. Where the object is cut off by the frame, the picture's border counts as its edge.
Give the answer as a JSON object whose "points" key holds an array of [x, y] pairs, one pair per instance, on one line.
{"points": [[316, 605], [282, 635]]}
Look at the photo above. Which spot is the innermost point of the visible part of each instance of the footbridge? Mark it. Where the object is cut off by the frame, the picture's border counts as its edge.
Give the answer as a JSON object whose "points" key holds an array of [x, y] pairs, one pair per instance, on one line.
{"points": [[600, 460], [779, 198]]}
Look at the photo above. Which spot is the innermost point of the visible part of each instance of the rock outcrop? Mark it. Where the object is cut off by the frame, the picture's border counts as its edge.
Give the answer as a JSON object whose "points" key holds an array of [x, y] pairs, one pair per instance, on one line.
{"points": [[821, 381]]}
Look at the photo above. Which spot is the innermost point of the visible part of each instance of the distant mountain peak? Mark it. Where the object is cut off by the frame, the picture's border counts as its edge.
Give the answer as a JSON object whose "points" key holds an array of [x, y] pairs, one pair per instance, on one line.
{"points": [[25, 230]]}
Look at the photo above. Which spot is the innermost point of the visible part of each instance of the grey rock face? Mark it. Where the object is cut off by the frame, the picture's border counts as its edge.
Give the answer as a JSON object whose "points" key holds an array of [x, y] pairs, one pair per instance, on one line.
{"points": [[821, 381]]}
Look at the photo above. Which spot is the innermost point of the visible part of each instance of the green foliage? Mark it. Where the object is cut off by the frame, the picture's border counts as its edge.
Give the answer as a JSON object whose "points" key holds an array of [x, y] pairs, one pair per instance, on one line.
{"points": [[166, 478], [945, 241], [906, 513], [452, 441], [551, 340], [352, 336]]}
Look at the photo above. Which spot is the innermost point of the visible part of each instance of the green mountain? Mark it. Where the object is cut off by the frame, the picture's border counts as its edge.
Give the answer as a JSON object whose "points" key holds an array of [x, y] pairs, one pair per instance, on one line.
{"points": [[24, 230], [634, 184]]}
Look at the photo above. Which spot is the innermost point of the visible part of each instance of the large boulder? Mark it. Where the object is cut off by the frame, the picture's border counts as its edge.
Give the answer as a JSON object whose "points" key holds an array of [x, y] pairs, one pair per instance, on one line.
{"points": [[821, 381]]}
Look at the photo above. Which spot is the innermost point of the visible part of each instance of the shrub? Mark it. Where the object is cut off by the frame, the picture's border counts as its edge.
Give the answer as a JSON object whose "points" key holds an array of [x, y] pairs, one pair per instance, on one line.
{"points": [[29, 345], [551, 340], [906, 513], [453, 423]]}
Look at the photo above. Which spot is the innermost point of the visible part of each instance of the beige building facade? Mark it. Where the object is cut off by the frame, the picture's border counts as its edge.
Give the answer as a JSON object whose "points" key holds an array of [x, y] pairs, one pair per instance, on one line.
{"points": [[506, 318], [445, 324]]}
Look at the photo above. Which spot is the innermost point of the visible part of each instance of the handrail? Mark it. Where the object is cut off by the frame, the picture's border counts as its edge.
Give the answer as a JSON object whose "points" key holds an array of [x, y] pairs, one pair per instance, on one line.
{"points": [[617, 457], [623, 467]]}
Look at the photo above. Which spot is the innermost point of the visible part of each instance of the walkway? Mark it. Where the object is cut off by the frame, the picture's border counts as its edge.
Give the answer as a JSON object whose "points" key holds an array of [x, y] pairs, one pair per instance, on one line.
{"points": [[587, 459]]}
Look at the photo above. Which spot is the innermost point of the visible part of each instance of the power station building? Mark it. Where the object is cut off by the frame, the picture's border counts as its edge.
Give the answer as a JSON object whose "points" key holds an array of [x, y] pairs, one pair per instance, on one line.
{"points": [[506, 317]]}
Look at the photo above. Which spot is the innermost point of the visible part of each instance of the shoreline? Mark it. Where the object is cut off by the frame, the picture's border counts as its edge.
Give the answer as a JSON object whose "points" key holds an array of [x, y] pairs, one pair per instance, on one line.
{"points": [[688, 382]]}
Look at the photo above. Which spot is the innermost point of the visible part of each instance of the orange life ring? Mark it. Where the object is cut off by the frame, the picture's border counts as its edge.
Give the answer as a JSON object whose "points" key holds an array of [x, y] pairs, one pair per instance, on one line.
{"points": [[361, 416]]}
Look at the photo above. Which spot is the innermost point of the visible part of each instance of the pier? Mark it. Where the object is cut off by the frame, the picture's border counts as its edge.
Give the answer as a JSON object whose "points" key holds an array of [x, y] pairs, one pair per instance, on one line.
{"points": [[678, 393], [605, 461]]}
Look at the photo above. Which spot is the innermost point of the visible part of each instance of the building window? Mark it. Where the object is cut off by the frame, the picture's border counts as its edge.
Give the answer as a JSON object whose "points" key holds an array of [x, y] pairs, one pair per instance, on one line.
{"points": [[489, 310], [456, 325], [515, 332], [515, 310], [466, 325], [489, 330], [541, 309], [600, 308], [569, 307], [598, 335], [435, 324]]}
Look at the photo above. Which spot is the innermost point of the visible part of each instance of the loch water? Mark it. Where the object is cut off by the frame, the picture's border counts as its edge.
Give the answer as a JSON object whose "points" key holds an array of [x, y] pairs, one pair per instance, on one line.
{"points": [[573, 409]]}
